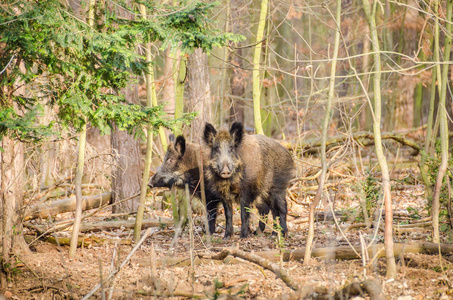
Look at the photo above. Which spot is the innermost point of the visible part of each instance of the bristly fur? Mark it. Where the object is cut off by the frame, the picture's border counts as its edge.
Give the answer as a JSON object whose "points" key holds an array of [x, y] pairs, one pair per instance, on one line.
{"points": [[228, 188], [180, 167], [237, 132], [180, 145], [260, 172], [209, 133]]}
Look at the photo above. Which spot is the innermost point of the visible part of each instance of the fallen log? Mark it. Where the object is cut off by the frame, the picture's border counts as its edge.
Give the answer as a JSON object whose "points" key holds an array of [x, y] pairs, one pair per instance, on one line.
{"points": [[86, 241], [108, 225], [47, 210], [369, 287], [346, 252]]}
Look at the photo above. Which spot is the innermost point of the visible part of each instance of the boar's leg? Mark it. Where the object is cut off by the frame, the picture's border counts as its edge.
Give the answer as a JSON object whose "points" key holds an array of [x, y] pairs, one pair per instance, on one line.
{"points": [[263, 211], [246, 201], [211, 209], [280, 210], [228, 219], [245, 217]]}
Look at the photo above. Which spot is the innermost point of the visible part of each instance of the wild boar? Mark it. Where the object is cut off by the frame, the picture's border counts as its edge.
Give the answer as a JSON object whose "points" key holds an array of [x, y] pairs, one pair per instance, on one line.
{"points": [[253, 169], [180, 166]]}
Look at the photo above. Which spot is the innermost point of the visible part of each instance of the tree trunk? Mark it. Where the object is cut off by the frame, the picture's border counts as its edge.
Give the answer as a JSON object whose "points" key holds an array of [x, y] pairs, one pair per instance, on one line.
{"points": [[443, 123], [80, 165], [388, 234], [180, 72], [126, 176], [168, 88], [366, 115], [237, 84], [200, 101], [256, 77], [237, 76], [11, 194], [325, 126], [199, 92], [418, 102], [150, 87]]}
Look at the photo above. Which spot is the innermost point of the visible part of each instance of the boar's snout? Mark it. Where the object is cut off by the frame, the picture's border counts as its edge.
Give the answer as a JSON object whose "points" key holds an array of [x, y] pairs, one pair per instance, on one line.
{"points": [[154, 181], [150, 183], [225, 173]]}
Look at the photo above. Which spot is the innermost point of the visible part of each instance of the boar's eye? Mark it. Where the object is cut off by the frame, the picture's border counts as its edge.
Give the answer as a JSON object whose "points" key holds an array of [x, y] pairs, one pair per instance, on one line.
{"points": [[170, 160]]}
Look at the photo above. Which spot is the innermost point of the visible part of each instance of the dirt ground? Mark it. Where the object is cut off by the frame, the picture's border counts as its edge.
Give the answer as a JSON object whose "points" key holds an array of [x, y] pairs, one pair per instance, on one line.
{"points": [[48, 273]]}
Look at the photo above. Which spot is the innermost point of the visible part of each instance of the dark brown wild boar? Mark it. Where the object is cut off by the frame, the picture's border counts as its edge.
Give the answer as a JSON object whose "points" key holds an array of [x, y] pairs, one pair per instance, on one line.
{"points": [[254, 169], [180, 166]]}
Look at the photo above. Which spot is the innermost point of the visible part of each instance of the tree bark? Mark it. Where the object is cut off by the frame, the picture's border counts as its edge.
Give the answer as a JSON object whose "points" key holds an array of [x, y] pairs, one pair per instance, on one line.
{"points": [[126, 176], [150, 87], [237, 77], [80, 164], [237, 85], [388, 234], [199, 92], [442, 112], [180, 72], [256, 77], [11, 194]]}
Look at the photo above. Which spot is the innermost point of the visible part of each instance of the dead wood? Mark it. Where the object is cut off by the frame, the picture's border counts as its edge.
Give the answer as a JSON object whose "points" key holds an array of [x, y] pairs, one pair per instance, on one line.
{"points": [[65, 205], [369, 287], [107, 225], [413, 225], [117, 270], [170, 294], [344, 252], [357, 225], [86, 241], [263, 262]]}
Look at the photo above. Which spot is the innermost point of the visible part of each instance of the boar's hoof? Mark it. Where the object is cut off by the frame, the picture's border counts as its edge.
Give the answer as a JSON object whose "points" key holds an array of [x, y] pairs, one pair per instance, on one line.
{"points": [[245, 234], [258, 232]]}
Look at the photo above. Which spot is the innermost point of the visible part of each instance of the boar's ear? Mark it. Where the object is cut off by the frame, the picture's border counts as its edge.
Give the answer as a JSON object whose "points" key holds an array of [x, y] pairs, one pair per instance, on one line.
{"points": [[171, 138], [209, 134], [180, 145], [237, 132]]}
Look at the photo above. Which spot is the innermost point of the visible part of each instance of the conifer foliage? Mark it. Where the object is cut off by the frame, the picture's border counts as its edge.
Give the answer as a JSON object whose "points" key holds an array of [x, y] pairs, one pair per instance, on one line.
{"points": [[79, 71]]}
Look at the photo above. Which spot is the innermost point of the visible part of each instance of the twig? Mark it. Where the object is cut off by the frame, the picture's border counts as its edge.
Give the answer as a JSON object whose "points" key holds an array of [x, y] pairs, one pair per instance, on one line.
{"points": [[116, 271], [276, 269]]}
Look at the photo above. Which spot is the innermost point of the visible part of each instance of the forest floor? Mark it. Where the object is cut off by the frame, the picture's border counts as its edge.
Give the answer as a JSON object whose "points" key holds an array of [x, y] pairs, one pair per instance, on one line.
{"points": [[48, 273]]}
